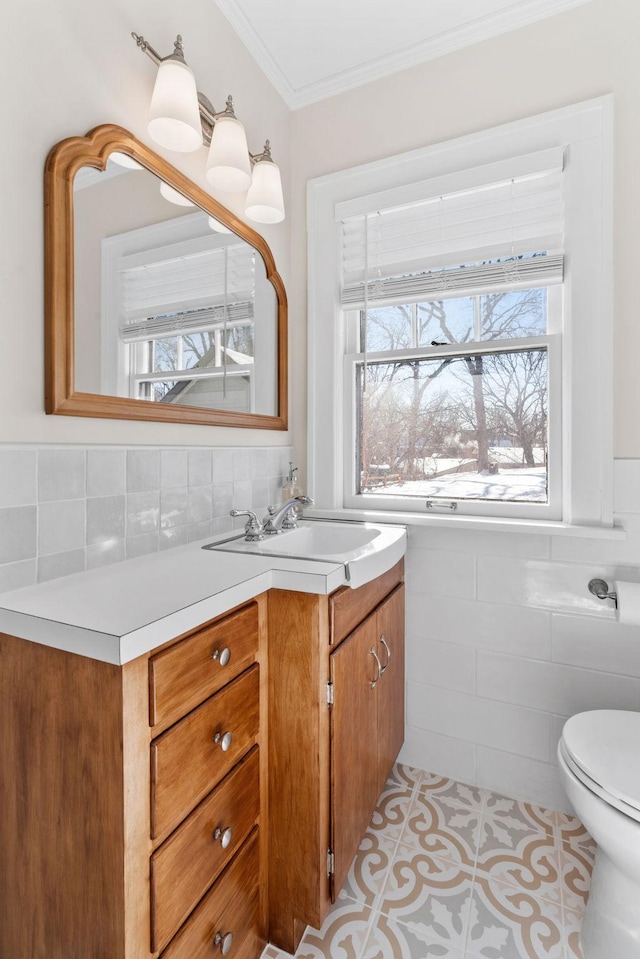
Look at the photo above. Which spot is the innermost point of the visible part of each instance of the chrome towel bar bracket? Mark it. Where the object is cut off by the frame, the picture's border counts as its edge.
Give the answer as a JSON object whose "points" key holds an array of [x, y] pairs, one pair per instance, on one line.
{"points": [[600, 588]]}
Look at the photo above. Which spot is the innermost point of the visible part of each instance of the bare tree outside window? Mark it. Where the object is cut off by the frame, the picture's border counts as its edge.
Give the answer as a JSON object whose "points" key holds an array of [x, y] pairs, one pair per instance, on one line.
{"points": [[470, 426]]}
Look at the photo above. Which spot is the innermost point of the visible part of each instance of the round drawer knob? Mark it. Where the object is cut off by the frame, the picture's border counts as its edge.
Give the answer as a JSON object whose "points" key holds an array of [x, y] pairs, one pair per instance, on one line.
{"points": [[225, 836], [224, 740], [222, 656], [225, 942]]}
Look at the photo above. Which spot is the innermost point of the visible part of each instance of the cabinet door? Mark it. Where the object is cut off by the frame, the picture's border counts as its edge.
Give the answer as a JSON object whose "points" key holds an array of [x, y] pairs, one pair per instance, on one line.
{"points": [[354, 747], [390, 689]]}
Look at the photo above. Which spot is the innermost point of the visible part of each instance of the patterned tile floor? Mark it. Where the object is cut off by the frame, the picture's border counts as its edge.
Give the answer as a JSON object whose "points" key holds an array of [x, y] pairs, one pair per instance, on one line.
{"points": [[452, 871]]}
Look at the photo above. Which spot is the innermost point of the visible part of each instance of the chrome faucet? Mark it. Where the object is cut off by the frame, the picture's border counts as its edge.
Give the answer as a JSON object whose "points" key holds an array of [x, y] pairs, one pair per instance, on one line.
{"points": [[253, 527], [285, 516]]}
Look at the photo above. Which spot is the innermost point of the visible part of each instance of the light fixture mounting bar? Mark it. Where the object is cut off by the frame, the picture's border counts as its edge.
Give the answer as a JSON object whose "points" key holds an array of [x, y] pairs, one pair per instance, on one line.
{"points": [[265, 155], [208, 113], [147, 48]]}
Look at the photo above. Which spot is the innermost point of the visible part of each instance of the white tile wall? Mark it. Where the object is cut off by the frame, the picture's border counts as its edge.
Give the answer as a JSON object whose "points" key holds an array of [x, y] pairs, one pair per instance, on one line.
{"points": [[64, 510], [456, 758], [503, 640], [17, 478], [551, 687], [504, 643], [482, 719], [447, 573], [446, 665]]}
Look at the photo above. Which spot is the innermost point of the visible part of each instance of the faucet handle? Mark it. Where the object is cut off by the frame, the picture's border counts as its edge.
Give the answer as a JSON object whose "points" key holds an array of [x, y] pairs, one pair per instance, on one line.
{"points": [[290, 520], [253, 527]]}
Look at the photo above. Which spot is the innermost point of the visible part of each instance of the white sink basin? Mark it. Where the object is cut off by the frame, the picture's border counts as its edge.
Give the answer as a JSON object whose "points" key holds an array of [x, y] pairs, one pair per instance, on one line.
{"points": [[365, 549], [316, 539]]}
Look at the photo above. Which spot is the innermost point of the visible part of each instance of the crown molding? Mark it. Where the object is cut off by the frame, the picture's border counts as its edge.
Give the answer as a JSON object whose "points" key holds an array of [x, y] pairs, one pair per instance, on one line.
{"points": [[513, 18], [258, 49]]}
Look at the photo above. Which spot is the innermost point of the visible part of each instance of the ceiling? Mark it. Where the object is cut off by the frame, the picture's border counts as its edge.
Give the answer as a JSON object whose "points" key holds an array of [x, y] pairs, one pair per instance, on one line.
{"points": [[311, 50]]}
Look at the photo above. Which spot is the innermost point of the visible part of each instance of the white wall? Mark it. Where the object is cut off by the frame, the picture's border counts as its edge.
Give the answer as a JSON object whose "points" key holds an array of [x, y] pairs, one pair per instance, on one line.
{"points": [[504, 641], [589, 51], [68, 67]]}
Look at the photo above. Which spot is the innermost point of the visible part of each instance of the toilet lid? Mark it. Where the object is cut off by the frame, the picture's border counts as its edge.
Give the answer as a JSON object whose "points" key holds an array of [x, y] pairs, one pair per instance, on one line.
{"points": [[605, 744]]}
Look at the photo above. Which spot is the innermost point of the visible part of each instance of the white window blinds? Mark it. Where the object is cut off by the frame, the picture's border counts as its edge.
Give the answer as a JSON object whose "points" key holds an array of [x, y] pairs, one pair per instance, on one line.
{"points": [[194, 291], [448, 244]]}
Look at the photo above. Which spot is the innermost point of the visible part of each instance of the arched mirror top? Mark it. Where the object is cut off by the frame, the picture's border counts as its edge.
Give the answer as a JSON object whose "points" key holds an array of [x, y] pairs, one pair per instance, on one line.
{"points": [[160, 303]]}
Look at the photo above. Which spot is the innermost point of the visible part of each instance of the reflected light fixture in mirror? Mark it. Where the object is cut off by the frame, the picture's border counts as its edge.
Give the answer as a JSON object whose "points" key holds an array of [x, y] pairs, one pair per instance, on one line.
{"points": [[121, 159], [173, 196], [217, 226], [182, 119]]}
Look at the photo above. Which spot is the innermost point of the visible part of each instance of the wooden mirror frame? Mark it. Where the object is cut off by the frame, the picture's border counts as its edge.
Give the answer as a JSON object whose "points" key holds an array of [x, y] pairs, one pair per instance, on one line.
{"points": [[63, 162]]}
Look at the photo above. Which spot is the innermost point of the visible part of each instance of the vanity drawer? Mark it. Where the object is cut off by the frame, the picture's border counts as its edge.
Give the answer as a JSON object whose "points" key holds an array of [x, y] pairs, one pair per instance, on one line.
{"points": [[186, 760], [232, 905], [188, 862], [348, 607], [183, 676]]}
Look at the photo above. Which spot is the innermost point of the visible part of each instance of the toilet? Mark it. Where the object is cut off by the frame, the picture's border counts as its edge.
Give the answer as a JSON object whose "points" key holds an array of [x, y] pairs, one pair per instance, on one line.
{"points": [[599, 757]]}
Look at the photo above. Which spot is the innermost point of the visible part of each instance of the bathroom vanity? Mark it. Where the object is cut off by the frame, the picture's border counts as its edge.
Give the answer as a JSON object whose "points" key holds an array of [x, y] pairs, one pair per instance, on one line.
{"points": [[196, 783], [336, 725], [133, 798], [191, 743]]}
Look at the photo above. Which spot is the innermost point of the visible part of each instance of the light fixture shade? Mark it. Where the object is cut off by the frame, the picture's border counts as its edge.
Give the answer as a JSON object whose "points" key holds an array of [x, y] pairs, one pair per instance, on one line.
{"points": [[173, 196], [174, 116], [217, 226], [124, 160], [265, 202], [228, 164]]}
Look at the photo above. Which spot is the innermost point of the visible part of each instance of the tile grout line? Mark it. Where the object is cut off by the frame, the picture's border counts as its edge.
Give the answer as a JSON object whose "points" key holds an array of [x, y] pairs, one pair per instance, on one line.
{"points": [[375, 911]]}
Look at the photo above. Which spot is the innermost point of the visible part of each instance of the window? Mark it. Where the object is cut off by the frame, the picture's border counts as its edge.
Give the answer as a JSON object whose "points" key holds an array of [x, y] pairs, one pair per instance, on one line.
{"points": [[467, 424], [467, 364], [187, 315], [180, 305]]}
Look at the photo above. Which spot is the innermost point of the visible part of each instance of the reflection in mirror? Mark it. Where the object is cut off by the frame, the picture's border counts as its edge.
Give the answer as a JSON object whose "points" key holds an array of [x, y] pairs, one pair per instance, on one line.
{"points": [[171, 306]]}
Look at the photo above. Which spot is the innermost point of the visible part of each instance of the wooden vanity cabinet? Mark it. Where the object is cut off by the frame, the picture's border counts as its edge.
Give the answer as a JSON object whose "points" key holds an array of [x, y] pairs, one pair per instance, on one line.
{"points": [[366, 725], [336, 721], [133, 824]]}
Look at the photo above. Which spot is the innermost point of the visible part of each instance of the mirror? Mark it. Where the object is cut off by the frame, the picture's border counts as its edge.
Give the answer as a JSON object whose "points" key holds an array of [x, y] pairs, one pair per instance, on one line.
{"points": [[160, 303]]}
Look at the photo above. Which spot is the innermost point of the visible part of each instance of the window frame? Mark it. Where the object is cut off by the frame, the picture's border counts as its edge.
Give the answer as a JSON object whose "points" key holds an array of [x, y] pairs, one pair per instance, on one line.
{"points": [[585, 487], [552, 510], [137, 375]]}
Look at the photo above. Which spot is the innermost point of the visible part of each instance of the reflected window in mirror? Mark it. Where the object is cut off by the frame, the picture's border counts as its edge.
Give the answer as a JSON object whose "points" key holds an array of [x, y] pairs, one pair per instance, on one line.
{"points": [[177, 299]]}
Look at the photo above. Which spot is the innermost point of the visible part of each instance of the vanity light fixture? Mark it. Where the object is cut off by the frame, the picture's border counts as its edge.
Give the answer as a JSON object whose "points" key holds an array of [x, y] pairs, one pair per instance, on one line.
{"points": [[217, 226], [123, 160], [173, 196], [182, 119]]}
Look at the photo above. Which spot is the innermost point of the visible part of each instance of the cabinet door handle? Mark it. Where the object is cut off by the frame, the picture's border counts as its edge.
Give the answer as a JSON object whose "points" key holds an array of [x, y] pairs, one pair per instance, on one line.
{"points": [[384, 643], [222, 656], [374, 682], [224, 740], [225, 942], [224, 835]]}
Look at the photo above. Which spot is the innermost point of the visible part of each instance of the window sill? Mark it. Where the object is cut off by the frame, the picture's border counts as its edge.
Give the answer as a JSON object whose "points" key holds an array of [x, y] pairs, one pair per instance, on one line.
{"points": [[486, 524]]}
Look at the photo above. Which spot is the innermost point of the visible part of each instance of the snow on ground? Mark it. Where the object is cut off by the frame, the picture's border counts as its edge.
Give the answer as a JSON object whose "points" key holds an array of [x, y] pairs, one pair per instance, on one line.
{"points": [[513, 484]]}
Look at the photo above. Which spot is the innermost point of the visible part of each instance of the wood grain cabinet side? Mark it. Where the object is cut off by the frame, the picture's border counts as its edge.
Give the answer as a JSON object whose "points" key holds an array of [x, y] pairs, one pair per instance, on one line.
{"points": [[336, 725]]}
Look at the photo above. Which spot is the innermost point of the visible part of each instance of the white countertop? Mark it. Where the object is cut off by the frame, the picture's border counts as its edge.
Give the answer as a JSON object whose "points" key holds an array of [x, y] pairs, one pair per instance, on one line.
{"points": [[119, 612]]}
